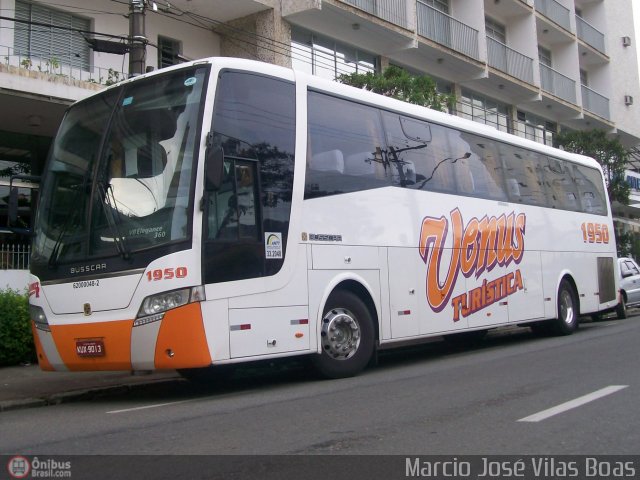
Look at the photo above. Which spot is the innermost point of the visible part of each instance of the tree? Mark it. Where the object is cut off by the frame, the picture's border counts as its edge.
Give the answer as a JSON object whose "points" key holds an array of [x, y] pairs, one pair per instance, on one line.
{"points": [[396, 82], [608, 152]]}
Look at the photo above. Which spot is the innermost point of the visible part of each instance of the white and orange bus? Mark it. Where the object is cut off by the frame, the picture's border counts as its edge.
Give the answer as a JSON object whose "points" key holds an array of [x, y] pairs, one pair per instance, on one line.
{"points": [[226, 211]]}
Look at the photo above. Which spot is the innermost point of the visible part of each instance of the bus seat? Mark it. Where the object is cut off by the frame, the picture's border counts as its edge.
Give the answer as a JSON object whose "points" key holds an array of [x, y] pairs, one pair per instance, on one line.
{"points": [[151, 160], [330, 161], [357, 164]]}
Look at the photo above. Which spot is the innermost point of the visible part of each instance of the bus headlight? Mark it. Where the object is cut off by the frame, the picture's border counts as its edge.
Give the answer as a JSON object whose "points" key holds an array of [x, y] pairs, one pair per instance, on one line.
{"points": [[39, 318], [161, 302]]}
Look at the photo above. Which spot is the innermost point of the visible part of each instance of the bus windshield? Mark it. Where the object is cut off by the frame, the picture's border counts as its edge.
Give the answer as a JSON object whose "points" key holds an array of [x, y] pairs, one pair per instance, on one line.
{"points": [[121, 171]]}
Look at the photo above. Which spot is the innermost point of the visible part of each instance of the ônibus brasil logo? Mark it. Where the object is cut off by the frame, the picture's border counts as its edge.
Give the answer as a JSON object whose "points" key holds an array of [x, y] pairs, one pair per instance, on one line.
{"points": [[19, 467], [478, 247]]}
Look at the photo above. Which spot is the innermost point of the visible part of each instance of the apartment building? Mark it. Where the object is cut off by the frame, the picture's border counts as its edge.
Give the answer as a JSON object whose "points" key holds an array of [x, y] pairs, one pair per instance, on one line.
{"points": [[529, 67]]}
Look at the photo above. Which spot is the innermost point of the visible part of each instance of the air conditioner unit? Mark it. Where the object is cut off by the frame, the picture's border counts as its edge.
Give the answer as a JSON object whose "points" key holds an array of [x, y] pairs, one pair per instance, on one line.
{"points": [[628, 100], [626, 41]]}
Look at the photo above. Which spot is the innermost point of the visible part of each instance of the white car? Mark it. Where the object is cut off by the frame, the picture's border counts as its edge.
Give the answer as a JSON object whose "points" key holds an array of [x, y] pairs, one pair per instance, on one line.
{"points": [[629, 286]]}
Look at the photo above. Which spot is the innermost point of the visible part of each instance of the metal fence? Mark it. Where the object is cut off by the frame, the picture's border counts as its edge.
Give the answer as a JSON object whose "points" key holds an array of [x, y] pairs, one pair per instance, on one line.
{"points": [[53, 66], [590, 34], [446, 30], [555, 12], [595, 103], [394, 11], [509, 61], [557, 84], [14, 257]]}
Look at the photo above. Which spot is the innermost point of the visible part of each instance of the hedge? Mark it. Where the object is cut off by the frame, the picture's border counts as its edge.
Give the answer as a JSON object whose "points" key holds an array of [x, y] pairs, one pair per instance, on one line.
{"points": [[16, 340]]}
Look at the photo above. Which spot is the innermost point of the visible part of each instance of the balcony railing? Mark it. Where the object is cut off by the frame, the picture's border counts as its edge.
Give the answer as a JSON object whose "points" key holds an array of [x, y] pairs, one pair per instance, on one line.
{"points": [[509, 61], [447, 31], [590, 34], [394, 11], [53, 66], [595, 103], [557, 84], [555, 12]]}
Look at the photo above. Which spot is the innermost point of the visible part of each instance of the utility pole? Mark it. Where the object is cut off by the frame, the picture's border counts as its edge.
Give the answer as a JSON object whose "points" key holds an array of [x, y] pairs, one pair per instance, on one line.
{"points": [[137, 38]]}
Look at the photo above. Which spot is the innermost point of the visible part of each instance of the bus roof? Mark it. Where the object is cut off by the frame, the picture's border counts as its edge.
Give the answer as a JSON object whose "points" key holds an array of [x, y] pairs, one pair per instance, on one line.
{"points": [[374, 99]]}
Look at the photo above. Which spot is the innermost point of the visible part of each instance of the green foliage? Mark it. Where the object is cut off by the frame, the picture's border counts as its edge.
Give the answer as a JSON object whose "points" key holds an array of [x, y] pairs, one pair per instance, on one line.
{"points": [[398, 83], [609, 153], [628, 244], [16, 340]]}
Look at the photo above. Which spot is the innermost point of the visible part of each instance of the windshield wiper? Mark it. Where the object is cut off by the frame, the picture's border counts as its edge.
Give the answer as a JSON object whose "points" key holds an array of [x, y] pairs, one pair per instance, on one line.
{"points": [[105, 190], [79, 190]]}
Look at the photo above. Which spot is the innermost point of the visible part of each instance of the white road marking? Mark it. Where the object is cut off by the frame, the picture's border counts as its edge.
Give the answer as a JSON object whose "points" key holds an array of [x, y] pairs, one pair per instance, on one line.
{"points": [[543, 415], [145, 407]]}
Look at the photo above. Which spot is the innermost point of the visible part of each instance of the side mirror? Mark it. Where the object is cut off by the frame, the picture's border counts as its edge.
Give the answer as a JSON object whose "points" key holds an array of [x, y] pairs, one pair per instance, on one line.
{"points": [[214, 168]]}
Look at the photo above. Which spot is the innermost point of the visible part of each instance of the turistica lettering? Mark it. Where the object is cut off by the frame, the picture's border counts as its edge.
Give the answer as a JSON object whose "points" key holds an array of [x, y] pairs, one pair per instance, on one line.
{"points": [[478, 247]]}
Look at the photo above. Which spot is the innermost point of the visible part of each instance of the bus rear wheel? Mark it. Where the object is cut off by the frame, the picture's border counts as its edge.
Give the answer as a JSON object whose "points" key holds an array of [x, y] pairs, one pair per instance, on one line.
{"points": [[567, 321], [347, 336]]}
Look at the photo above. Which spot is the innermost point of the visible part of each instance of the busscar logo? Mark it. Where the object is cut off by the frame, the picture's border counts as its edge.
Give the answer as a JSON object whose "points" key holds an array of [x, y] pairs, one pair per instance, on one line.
{"points": [[478, 247], [87, 268]]}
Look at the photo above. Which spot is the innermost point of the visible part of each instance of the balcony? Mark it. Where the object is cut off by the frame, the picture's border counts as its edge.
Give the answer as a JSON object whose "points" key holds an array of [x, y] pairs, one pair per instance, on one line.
{"points": [[393, 11], [555, 12], [446, 30], [557, 84], [55, 68], [589, 34], [595, 103], [509, 61]]}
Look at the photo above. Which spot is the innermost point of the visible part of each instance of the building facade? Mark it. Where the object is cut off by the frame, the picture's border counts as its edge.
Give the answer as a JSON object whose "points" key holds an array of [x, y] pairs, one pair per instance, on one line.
{"points": [[528, 67]]}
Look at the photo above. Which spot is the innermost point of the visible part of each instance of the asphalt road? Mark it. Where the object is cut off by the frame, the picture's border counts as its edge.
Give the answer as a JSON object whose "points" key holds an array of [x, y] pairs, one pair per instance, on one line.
{"points": [[426, 400]]}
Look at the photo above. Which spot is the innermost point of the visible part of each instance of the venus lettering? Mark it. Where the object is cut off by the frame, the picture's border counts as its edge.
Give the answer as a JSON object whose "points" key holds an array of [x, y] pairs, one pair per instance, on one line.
{"points": [[477, 247]]}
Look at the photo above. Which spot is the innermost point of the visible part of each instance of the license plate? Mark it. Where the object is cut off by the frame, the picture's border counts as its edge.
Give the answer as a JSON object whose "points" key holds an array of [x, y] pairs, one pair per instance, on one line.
{"points": [[90, 348]]}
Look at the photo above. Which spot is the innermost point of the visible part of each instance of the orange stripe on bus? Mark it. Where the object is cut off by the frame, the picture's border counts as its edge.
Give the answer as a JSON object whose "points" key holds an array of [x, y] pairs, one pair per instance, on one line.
{"points": [[182, 342], [117, 344], [43, 361]]}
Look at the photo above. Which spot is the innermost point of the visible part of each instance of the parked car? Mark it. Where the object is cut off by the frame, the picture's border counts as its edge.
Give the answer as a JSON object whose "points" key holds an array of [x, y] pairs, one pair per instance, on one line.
{"points": [[629, 286]]}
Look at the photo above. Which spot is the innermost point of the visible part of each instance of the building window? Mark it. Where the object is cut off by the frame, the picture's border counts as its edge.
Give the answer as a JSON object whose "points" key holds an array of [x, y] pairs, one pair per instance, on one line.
{"points": [[327, 58], [535, 128], [441, 5], [584, 78], [495, 30], [168, 52], [50, 43], [544, 55], [483, 110]]}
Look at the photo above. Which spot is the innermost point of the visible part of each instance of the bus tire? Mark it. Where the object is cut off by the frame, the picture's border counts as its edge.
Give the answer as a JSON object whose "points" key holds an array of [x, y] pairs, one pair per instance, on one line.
{"points": [[567, 321], [621, 309], [347, 336]]}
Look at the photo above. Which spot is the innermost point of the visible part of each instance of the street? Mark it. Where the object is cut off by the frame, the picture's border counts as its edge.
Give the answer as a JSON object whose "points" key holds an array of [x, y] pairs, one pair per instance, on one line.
{"points": [[426, 400]]}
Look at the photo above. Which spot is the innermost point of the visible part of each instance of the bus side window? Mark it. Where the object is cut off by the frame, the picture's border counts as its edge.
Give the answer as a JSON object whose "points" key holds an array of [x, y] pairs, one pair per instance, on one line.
{"points": [[482, 172], [590, 190], [561, 189], [344, 138], [523, 173]]}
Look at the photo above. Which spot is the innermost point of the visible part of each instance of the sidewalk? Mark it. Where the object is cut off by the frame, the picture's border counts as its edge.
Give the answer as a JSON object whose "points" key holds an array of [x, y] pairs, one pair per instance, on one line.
{"points": [[28, 386]]}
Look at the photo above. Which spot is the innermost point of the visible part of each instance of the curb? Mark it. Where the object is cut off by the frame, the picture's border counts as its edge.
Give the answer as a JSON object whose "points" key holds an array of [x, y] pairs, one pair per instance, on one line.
{"points": [[79, 395]]}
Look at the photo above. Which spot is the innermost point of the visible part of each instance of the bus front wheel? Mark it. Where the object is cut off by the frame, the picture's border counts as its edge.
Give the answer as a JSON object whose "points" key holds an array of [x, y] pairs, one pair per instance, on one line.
{"points": [[347, 336]]}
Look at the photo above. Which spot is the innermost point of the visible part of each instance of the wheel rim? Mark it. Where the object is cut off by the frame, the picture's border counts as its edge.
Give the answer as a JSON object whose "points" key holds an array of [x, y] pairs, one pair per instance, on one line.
{"points": [[566, 307], [340, 334]]}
